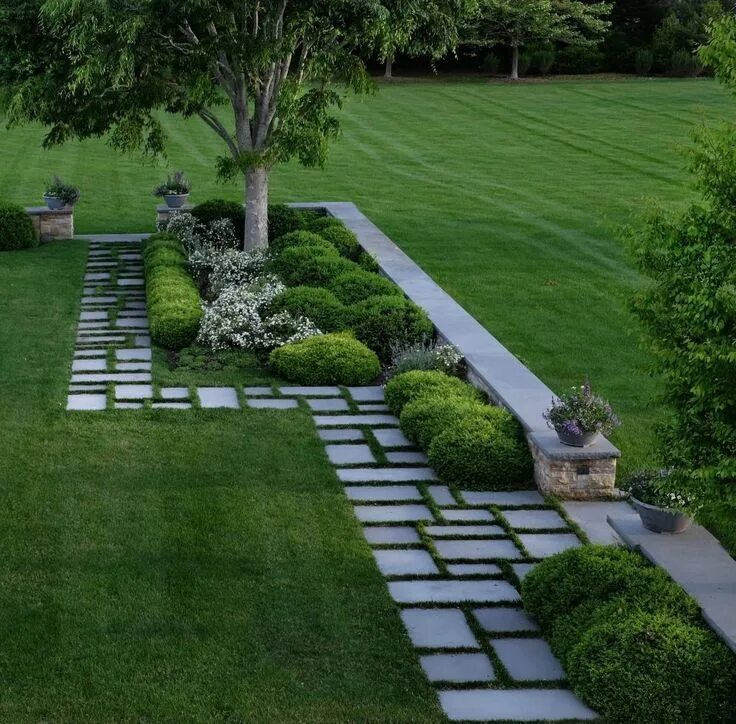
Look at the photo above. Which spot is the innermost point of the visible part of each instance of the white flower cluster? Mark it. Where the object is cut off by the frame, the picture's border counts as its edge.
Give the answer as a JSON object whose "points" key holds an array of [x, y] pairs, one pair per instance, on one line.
{"points": [[238, 268], [448, 358]]}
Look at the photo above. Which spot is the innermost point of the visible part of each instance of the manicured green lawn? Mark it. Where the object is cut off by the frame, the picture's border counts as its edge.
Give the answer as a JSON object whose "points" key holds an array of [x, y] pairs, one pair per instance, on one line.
{"points": [[184, 566]]}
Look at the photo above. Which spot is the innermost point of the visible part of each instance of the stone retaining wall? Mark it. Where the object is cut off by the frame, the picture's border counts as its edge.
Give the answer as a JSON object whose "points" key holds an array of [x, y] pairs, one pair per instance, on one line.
{"points": [[52, 224]]}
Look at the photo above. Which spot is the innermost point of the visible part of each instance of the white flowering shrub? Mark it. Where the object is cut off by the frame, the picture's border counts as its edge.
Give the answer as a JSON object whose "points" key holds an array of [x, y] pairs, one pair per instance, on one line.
{"points": [[232, 267], [183, 226], [426, 355]]}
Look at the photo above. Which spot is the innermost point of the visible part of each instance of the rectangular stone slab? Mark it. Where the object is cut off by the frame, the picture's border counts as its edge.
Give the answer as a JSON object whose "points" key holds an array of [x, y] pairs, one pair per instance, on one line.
{"points": [[349, 454], [466, 515], [86, 402], [391, 437], [139, 353], [455, 591], [366, 394], [391, 535], [314, 391], [463, 531], [473, 550], [439, 628], [217, 397], [382, 493], [528, 659], [531, 519], [505, 620], [392, 513], [409, 457], [473, 569], [113, 377], [328, 404], [412, 562], [260, 403], [503, 499], [543, 545], [440, 494], [340, 434], [353, 420], [388, 475], [457, 668]]}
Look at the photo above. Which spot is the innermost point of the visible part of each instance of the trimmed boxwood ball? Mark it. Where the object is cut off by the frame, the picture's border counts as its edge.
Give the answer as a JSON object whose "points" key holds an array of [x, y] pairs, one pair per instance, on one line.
{"points": [[298, 238], [315, 270], [385, 321], [216, 209], [402, 389], [477, 455], [654, 668], [288, 263], [318, 304], [367, 262], [283, 219], [328, 359], [344, 240], [359, 285], [318, 224], [16, 228]]}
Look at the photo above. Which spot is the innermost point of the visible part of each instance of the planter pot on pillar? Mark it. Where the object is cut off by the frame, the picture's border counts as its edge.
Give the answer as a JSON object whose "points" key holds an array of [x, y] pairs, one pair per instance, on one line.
{"points": [[54, 202], [175, 201], [661, 520], [580, 440]]}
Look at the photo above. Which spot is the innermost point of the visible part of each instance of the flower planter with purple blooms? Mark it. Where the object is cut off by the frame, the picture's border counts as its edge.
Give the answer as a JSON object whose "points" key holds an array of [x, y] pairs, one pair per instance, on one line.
{"points": [[174, 191], [579, 417]]}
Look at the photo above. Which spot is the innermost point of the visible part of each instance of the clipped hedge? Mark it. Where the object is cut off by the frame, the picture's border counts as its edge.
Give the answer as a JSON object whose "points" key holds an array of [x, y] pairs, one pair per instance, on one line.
{"points": [[402, 389], [216, 209], [283, 219], [335, 231], [367, 262], [16, 228], [355, 286], [318, 304], [311, 266], [329, 359], [174, 308], [288, 263], [294, 239]]}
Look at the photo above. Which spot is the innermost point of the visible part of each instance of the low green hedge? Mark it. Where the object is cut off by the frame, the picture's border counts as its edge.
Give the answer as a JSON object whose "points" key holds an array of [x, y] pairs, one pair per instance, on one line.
{"points": [[311, 266], [367, 262], [16, 228], [174, 308], [298, 239], [289, 262], [335, 231], [329, 359], [355, 286], [318, 304], [283, 219], [402, 389]]}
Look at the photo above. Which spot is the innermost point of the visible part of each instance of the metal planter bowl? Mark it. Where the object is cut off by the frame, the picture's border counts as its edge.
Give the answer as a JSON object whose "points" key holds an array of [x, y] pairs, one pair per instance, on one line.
{"points": [[176, 201], [582, 440], [661, 520], [54, 202]]}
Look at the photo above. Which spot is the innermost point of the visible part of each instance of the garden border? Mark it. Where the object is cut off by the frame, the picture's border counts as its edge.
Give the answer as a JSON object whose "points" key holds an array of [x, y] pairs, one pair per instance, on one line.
{"points": [[573, 473]]}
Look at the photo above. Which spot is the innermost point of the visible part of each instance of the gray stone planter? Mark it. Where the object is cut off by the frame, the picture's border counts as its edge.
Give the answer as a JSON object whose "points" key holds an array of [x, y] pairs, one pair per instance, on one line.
{"points": [[661, 520], [53, 202], [587, 438], [175, 201]]}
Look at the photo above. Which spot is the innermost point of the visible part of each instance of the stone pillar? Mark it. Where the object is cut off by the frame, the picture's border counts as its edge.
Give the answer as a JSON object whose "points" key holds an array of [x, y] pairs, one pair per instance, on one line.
{"points": [[52, 224], [163, 212]]}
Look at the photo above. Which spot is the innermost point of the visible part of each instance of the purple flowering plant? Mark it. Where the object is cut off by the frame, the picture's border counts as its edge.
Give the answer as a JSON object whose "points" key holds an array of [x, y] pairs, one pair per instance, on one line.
{"points": [[579, 412]]}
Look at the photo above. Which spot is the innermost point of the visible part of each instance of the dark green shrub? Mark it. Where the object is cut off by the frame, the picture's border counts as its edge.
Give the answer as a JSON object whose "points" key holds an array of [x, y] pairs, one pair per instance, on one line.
{"points": [[402, 389], [215, 209], [283, 219], [476, 454], [367, 261], [288, 263], [654, 668], [386, 321], [311, 269], [359, 285], [318, 224], [16, 228], [329, 359], [643, 61], [297, 238], [343, 240], [319, 305]]}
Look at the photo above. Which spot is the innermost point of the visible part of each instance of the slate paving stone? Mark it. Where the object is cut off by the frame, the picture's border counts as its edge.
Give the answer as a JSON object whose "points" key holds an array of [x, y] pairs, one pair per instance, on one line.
{"points": [[99, 332], [139, 353], [353, 420], [142, 340], [93, 316], [473, 569], [128, 312], [504, 620], [328, 404], [513, 705], [87, 388], [94, 325], [130, 282], [315, 391], [99, 300], [463, 531], [413, 562], [258, 391], [366, 394], [136, 305], [128, 406], [97, 277], [539, 519], [392, 513], [132, 322], [100, 340], [392, 437], [172, 406], [501, 499], [528, 659], [453, 550], [457, 668], [90, 353], [454, 591], [349, 454], [124, 377], [543, 545], [260, 403], [438, 628], [215, 397], [382, 493], [391, 535], [403, 458], [373, 408], [133, 392], [133, 366], [341, 435], [440, 493], [86, 402], [521, 569], [386, 475], [89, 365], [174, 393], [466, 515]]}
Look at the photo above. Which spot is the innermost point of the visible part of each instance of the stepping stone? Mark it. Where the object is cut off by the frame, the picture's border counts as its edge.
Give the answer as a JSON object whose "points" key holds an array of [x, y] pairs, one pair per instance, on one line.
{"points": [[99, 340], [137, 305], [543, 545], [136, 282], [453, 550], [87, 388], [399, 458], [521, 569], [366, 394], [540, 519], [340, 434], [510, 498], [315, 391], [513, 705], [258, 391], [272, 404], [457, 668], [349, 454], [440, 493], [352, 420], [174, 393], [90, 353], [98, 332], [97, 277], [405, 562], [95, 300], [133, 366], [132, 322], [142, 340], [140, 353], [391, 535], [128, 312], [131, 377], [463, 531], [382, 493], [93, 316], [438, 628], [328, 404], [133, 392], [172, 406], [98, 364], [86, 402], [473, 569], [455, 591], [391, 438], [392, 513], [216, 397], [373, 408], [468, 515], [504, 620], [388, 475], [528, 659], [93, 325], [128, 405]]}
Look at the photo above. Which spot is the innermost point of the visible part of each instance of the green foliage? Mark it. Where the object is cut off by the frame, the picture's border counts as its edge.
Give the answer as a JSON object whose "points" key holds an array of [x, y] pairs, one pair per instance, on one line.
{"points": [[177, 183], [355, 286], [427, 355], [404, 388], [215, 209], [329, 359], [289, 262], [720, 51], [319, 305], [174, 309], [63, 191], [368, 262], [297, 238], [385, 321], [283, 219], [16, 228], [684, 63], [343, 240], [312, 266], [319, 222], [643, 61]]}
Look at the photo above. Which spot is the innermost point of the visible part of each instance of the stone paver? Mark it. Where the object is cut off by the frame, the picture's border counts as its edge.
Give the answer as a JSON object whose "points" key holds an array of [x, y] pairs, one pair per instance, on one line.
{"points": [[316, 391], [392, 513], [413, 562], [472, 550], [216, 397], [543, 545], [504, 620], [124, 377], [391, 535], [87, 388], [366, 394], [84, 340], [457, 668], [455, 591], [86, 402], [89, 365], [392, 437], [174, 393], [90, 353], [510, 498], [521, 569], [388, 475], [444, 628], [128, 406], [373, 408], [172, 405], [132, 366], [91, 299], [466, 515], [528, 659], [382, 493], [349, 454], [340, 434], [440, 494], [140, 353], [133, 392], [259, 391], [473, 569], [328, 404], [463, 531], [403, 458], [592, 517], [353, 420], [132, 322], [130, 282], [535, 519], [93, 316], [261, 403]]}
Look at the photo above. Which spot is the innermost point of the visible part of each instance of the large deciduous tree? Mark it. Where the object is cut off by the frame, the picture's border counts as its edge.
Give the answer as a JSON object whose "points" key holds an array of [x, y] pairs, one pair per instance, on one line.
{"points": [[89, 68]]}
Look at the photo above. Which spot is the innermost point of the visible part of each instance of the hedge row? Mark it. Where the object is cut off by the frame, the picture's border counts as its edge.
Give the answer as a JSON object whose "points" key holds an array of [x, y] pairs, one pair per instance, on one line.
{"points": [[469, 443], [174, 308], [632, 641]]}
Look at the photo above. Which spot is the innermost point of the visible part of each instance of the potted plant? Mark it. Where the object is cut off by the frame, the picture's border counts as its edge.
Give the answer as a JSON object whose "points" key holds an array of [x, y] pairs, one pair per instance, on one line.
{"points": [[579, 417], [59, 194], [175, 190], [660, 505]]}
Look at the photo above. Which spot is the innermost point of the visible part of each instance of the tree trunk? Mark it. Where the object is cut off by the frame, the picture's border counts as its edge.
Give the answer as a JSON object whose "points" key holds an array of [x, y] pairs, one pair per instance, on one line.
{"points": [[256, 208], [389, 72], [514, 62]]}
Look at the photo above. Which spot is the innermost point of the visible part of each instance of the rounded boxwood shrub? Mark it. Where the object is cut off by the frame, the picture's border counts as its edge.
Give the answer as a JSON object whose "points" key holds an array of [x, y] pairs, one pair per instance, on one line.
{"points": [[386, 321], [298, 238], [216, 209], [16, 228], [344, 240], [283, 219], [654, 668], [320, 222], [315, 270], [359, 285], [328, 359], [318, 304], [290, 260], [402, 389], [476, 454], [367, 262]]}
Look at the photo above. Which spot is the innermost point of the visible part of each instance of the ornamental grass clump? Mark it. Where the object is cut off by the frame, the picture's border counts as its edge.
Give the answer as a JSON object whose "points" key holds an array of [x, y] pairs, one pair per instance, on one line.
{"points": [[426, 355], [580, 413]]}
